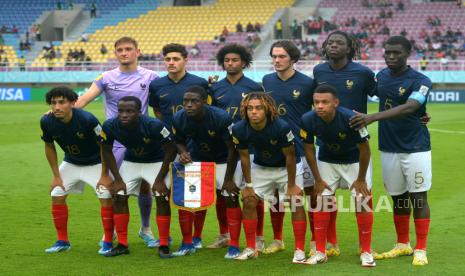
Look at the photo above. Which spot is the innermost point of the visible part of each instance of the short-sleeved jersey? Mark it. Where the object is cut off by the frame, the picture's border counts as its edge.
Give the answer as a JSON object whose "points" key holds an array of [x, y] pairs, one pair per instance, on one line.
{"points": [[78, 138], [338, 140], [116, 84], [354, 83], [228, 96], [167, 95], [205, 138], [406, 134], [143, 143], [293, 97], [267, 144]]}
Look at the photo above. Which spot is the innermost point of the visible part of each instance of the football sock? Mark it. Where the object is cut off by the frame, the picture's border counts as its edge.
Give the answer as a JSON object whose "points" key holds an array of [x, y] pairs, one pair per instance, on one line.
{"points": [[221, 215], [300, 229], [60, 219], [332, 236], [401, 223], [199, 220], [107, 220], [277, 219], [234, 223], [250, 229], [145, 207], [260, 217], [365, 225], [163, 224], [321, 221], [311, 222], [185, 222], [421, 230], [121, 222]]}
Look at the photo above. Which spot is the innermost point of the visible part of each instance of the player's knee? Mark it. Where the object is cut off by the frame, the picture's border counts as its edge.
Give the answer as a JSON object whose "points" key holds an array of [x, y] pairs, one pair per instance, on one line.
{"points": [[106, 202], [58, 199], [232, 201], [419, 200], [250, 203]]}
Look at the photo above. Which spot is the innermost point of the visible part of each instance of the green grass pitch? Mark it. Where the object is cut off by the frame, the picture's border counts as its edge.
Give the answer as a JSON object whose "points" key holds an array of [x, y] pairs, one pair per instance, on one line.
{"points": [[27, 228]]}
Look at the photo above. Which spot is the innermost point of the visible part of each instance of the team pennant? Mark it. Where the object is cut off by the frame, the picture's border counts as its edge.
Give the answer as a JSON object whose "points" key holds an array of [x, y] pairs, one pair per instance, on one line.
{"points": [[193, 185]]}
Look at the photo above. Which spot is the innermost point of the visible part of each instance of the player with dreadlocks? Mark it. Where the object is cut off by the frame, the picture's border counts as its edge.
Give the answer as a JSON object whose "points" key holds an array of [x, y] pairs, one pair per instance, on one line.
{"points": [[354, 82], [276, 166]]}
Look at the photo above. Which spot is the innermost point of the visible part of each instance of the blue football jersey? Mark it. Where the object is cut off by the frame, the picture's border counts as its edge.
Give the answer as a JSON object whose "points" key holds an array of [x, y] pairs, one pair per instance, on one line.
{"points": [[406, 134], [205, 138], [228, 96], [77, 138], [267, 144], [338, 140], [167, 95], [293, 97], [354, 83], [143, 142]]}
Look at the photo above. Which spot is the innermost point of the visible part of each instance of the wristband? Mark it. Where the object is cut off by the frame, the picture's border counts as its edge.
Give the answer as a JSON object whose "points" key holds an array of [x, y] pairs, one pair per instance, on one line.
{"points": [[249, 185]]}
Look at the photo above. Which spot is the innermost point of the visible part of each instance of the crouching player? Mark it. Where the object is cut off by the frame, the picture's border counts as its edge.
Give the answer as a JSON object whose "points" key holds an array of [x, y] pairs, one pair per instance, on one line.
{"points": [[77, 132], [150, 149], [343, 159], [206, 129], [275, 167]]}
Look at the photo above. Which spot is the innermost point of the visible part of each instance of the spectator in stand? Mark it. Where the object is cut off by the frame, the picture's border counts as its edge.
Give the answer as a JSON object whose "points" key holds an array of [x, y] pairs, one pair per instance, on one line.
{"points": [[366, 4], [458, 34], [400, 6], [423, 33], [389, 13], [22, 63], [103, 49], [93, 10], [295, 29], [258, 27], [403, 32], [382, 13], [225, 31], [37, 32], [59, 5], [279, 29], [239, 28], [249, 28], [14, 29], [195, 51]]}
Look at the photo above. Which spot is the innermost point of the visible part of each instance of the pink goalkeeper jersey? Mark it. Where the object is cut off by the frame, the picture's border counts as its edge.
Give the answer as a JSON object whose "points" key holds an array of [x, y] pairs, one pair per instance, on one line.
{"points": [[116, 84]]}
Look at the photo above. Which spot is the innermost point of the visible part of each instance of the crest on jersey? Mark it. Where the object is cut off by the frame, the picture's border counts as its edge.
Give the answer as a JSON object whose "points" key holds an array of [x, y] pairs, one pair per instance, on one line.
{"points": [[401, 91], [342, 135], [349, 84], [235, 140], [103, 135], [80, 135], [192, 188], [273, 142], [146, 140], [143, 86], [243, 94], [333, 147], [211, 133], [295, 93], [174, 130]]}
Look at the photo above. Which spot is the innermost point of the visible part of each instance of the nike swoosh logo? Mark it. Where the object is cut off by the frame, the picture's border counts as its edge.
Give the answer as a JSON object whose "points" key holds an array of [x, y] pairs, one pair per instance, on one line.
{"points": [[220, 97], [164, 95]]}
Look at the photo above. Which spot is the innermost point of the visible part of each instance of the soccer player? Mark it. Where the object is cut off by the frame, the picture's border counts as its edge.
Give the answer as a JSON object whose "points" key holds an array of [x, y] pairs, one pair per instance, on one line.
{"points": [[166, 98], [405, 146], [77, 133], [128, 79], [207, 130], [343, 159], [292, 92], [354, 83], [276, 167], [150, 149], [227, 94]]}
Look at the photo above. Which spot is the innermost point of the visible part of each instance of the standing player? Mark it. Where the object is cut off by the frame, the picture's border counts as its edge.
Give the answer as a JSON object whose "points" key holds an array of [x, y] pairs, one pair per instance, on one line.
{"points": [[150, 149], [276, 167], [292, 92], [76, 132], [228, 94], [354, 83], [128, 79], [166, 98], [343, 160], [207, 130], [405, 146]]}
